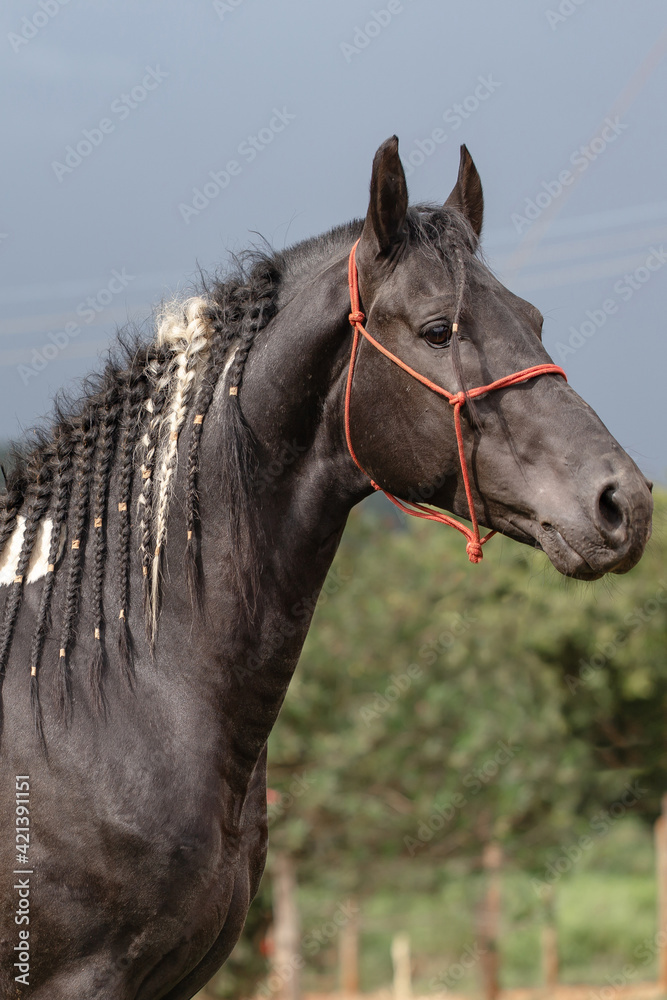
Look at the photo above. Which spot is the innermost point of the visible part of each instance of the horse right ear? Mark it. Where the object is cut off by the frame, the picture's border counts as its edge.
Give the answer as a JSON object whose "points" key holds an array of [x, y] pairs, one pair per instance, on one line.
{"points": [[467, 194], [384, 227]]}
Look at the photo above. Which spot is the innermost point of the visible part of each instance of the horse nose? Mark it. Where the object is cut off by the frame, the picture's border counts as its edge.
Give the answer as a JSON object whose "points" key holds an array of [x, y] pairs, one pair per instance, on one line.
{"points": [[622, 508], [612, 512]]}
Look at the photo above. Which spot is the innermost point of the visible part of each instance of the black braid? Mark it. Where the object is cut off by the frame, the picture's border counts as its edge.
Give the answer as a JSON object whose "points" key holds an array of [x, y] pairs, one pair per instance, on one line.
{"points": [[64, 447], [106, 443], [221, 338], [256, 317], [200, 408], [137, 396], [77, 542], [245, 531], [38, 504], [240, 308]]}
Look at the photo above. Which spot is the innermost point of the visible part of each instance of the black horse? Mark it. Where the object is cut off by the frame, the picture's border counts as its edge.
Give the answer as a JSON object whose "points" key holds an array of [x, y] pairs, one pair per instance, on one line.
{"points": [[207, 476]]}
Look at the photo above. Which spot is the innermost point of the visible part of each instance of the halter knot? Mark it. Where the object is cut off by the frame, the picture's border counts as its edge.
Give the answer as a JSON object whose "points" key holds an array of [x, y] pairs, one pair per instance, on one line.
{"points": [[356, 317], [458, 398], [474, 550]]}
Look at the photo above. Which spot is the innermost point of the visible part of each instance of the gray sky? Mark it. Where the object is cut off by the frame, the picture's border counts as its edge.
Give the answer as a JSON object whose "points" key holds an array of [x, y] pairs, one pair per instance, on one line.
{"points": [[153, 97]]}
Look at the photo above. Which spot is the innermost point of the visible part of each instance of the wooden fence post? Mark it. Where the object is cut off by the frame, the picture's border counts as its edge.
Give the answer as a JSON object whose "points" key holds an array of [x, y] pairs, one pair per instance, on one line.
{"points": [[348, 955], [286, 960], [550, 961], [400, 957], [661, 872], [489, 921]]}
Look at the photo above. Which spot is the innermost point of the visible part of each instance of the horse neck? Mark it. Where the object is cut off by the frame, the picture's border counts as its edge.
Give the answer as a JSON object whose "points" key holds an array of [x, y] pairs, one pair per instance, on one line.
{"points": [[292, 397]]}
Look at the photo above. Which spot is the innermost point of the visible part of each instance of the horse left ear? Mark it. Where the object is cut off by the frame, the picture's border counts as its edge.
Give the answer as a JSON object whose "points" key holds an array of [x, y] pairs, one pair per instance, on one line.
{"points": [[467, 194], [385, 220]]}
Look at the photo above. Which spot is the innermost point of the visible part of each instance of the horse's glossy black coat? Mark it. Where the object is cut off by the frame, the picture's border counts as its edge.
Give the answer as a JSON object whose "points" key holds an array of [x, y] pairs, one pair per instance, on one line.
{"points": [[148, 829]]}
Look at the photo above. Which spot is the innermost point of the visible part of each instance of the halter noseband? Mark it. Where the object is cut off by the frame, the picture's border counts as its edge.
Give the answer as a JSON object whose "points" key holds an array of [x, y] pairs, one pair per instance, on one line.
{"points": [[456, 399]]}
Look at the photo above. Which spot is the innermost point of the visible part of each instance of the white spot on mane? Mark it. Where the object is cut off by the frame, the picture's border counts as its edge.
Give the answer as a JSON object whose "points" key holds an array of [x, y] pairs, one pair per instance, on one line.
{"points": [[39, 560]]}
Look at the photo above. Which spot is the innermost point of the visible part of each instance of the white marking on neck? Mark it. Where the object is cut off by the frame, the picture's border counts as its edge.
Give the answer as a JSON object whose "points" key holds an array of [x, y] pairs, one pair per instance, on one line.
{"points": [[39, 560]]}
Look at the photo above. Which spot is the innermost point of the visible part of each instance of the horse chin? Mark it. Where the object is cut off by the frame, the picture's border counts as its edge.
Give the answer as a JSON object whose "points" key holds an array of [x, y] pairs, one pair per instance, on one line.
{"points": [[564, 557], [562, 554]]}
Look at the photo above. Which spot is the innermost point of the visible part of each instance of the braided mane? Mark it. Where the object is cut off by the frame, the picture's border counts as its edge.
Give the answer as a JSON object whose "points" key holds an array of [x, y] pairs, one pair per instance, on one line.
{"points": [[128, 424]]}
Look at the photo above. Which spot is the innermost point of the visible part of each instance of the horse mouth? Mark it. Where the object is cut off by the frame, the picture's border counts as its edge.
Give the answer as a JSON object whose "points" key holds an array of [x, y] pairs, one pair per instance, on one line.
{"points": [[560, 552], [566, 559]]}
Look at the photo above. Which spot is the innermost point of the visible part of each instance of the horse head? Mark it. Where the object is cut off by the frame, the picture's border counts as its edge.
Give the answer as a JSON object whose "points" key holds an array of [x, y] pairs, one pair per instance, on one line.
{"points": [[542, 466]]}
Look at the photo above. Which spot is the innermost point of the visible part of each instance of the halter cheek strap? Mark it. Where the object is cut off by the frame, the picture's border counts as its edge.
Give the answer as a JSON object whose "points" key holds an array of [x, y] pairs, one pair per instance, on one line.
{"points": [[456, 399]]}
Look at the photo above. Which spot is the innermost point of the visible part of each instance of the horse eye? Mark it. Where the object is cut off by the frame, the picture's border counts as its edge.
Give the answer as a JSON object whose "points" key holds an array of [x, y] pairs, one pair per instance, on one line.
{"points": [[438, 335]]}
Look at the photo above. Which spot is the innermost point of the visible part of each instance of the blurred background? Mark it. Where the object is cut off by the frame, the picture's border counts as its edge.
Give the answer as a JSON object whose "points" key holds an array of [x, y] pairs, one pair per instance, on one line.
{"points": [[469, 765]]}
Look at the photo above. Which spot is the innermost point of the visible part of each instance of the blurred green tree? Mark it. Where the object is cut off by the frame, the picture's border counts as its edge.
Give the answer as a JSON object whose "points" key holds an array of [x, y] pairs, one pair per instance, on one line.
{"points": [[439, 707]]}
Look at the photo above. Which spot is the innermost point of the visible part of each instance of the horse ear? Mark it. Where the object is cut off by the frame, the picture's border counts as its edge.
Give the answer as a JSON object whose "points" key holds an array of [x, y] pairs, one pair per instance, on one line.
{"points": [[467, 194], [385, 220]]}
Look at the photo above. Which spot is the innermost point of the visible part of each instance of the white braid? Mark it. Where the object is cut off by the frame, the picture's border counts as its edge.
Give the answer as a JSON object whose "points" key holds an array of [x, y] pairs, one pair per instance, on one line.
{"points": [[149, 445], [187, 330]]}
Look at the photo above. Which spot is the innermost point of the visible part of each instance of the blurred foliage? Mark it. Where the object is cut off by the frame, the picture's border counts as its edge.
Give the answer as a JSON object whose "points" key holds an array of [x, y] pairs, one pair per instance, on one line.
{"points": [[438, 706]]}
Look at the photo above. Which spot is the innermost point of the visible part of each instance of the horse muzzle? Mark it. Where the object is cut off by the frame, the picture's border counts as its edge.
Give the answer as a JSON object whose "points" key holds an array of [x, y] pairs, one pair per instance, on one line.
{"points": [[605, 532]]}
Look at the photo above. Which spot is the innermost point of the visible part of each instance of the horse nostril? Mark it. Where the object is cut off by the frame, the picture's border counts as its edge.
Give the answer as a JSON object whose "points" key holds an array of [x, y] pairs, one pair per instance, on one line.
{"points": [[611, 513]]}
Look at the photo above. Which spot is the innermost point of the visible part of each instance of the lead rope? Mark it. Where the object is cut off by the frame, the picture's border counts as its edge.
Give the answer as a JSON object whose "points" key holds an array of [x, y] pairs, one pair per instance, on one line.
{"points": [[457, 400]]}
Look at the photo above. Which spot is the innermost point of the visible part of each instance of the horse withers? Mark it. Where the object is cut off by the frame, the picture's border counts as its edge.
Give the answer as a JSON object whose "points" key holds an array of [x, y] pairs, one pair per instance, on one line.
{"points": [[163, 542]]}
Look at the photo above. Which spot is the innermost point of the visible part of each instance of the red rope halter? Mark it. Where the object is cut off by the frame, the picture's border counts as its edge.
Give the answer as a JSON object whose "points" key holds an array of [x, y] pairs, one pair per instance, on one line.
{"points": [[456, 399]]}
